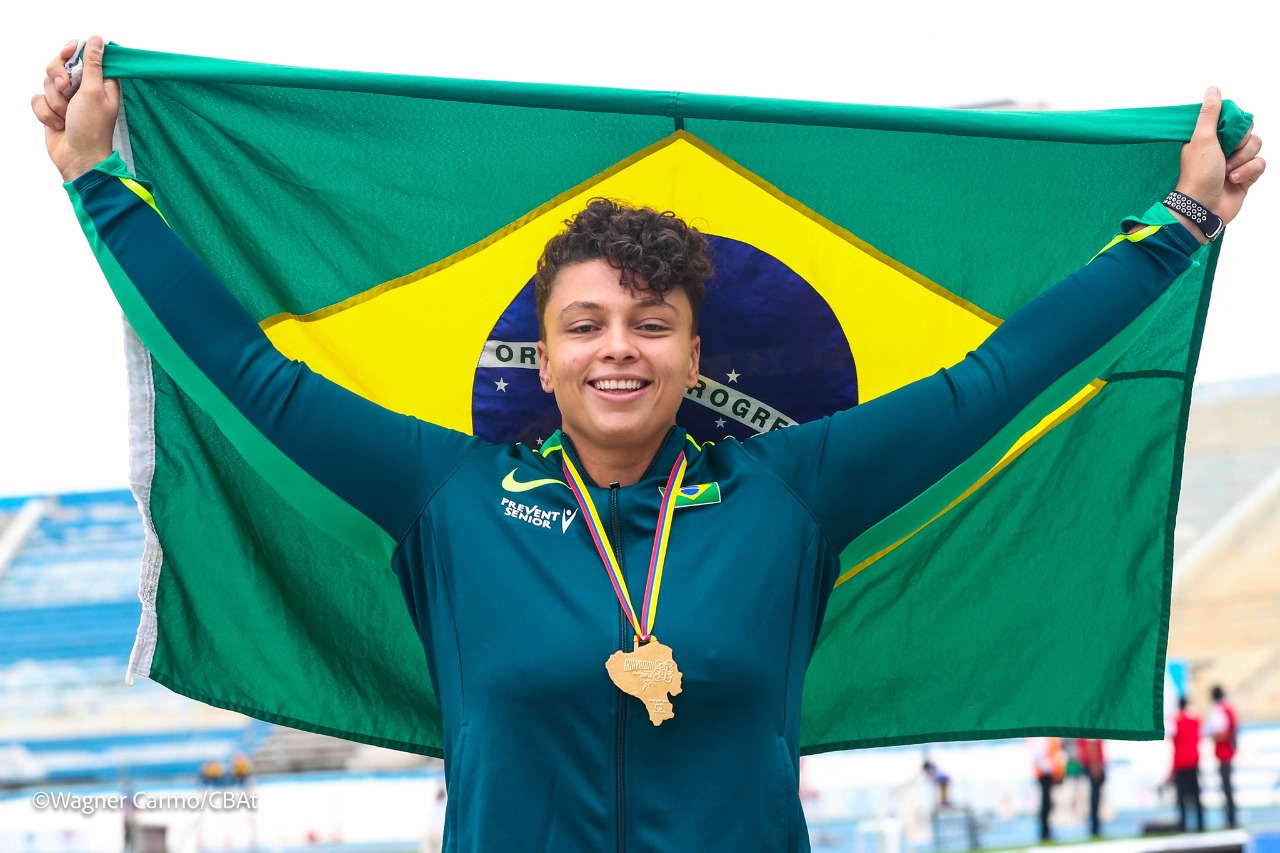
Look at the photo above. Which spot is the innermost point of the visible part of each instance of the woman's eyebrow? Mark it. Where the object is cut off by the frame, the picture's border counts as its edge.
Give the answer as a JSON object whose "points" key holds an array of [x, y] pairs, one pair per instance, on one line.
{"points": [[586, 305], [580, 305]]}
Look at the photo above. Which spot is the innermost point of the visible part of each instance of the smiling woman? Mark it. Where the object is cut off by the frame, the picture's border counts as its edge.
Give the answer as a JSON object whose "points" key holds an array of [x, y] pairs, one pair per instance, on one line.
{"points": [[534, 659], [618, 293], [619, 363]]}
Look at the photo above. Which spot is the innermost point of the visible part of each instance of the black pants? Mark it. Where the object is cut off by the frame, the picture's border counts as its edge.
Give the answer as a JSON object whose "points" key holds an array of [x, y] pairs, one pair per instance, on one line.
{"points": [[1046, 804], [1187, 784], [1095, 800], [1224, 771]]}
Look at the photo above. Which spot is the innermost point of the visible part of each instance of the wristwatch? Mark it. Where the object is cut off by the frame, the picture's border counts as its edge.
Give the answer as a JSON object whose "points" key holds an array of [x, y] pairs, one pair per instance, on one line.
{"points": [[1209, 223]]}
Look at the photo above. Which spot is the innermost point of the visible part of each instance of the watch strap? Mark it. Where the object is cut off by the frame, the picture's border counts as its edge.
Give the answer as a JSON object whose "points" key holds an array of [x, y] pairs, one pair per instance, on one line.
{"points": [[1209, 223]]}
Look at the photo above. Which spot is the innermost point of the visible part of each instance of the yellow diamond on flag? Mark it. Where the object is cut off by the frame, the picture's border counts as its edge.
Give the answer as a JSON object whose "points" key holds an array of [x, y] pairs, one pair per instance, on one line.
{"points": [[413, 344]]}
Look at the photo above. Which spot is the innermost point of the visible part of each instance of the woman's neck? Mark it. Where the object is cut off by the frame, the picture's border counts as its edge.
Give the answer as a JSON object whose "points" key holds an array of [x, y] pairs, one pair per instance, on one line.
{"points": [[606, 465]]}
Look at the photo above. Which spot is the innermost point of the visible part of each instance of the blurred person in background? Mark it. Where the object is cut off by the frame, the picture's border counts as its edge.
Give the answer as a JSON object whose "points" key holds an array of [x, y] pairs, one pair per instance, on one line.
{"points": [[212, 772], [941, 784], [241, 769], [1049, 761], [1094, 767], [1185, 735], [1221, 726]]}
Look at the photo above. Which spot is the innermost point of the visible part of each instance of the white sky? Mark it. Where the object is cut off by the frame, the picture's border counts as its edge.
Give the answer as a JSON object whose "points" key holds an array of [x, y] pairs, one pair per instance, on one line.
{"points": [[62, 385]]}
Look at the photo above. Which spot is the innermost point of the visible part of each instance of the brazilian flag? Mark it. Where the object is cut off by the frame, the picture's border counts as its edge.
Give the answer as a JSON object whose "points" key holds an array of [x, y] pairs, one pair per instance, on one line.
{"points": [[385, 230]]}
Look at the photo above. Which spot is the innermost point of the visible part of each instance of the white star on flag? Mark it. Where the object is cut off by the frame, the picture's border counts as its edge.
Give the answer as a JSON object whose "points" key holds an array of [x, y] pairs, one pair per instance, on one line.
{"points": [[502, 385], [733, 375]]}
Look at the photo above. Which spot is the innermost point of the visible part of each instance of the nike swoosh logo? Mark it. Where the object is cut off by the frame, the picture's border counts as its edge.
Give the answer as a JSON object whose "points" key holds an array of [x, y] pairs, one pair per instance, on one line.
{"points": [[511, 484], [567, 519]]}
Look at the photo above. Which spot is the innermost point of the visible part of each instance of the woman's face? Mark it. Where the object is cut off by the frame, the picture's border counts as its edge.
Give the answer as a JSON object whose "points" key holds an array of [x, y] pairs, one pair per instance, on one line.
{"points": [[619, 364]]}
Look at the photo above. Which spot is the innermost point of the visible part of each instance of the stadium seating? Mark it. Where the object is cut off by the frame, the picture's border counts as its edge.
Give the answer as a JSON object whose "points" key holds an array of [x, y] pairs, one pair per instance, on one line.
{"points": [[1226, 606], [69, 611]]}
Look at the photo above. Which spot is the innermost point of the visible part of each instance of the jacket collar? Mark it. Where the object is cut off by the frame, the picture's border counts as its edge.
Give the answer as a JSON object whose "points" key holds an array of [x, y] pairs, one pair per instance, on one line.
{"points": [[659, 467]]}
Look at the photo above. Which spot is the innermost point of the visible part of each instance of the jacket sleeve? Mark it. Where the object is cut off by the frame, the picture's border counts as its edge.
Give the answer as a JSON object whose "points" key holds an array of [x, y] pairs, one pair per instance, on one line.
{"points": [[359, 471], [879, 471]]}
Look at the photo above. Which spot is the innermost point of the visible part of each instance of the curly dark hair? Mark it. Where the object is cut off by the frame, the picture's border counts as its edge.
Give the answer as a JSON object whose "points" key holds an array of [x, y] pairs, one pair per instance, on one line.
{"points": [[655, 252]]}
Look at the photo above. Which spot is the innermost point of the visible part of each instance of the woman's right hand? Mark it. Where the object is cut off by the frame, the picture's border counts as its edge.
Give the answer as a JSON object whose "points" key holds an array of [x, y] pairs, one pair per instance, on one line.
{"points": [[77, 132], [1217, 181]]}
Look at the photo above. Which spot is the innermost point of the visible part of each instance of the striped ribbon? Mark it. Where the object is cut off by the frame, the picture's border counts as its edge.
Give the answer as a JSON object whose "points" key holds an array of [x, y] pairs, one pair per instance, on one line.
{"points": [[643, 623]]}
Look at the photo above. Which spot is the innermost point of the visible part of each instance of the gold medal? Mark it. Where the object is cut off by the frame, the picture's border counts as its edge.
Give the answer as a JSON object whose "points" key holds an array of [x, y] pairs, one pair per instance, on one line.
{"points": [[649, 673]]}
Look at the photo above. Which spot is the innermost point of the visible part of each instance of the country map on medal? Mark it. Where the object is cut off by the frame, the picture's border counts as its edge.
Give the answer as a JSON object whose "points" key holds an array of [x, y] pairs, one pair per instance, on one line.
{"points": [[802, 318], [650, 674]]}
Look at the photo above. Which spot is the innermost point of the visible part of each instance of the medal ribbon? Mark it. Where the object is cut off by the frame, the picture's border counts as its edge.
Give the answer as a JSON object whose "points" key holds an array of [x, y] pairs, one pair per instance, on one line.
{"points": [[643, 623]]}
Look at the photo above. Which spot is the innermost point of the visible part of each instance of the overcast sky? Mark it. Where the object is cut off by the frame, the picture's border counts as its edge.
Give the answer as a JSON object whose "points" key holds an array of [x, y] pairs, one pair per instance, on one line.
{"points": [[62, 384]]}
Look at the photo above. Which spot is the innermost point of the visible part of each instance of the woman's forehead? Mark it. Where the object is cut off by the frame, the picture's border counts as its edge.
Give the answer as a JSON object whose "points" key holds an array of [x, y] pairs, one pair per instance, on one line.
{"points": [[597, 285]]}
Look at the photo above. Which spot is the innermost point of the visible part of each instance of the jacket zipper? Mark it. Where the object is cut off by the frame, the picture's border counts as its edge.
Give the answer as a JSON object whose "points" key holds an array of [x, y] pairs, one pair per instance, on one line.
{"points": [[624, 629]]}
